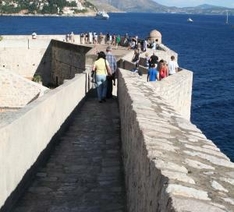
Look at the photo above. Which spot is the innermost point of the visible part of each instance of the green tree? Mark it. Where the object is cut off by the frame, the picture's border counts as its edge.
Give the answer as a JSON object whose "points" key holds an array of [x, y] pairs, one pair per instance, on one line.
{"points": [[72, 4], [32, 8]]}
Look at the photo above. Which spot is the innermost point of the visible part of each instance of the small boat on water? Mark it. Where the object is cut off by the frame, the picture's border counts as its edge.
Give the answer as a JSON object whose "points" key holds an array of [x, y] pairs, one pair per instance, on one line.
{"points": [[189, 20], [102, 15], [227, 17]]}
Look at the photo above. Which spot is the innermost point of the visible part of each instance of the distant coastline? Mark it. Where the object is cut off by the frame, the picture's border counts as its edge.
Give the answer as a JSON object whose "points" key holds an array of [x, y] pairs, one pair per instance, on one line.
{"points": [[93, 14], [89, 14]]}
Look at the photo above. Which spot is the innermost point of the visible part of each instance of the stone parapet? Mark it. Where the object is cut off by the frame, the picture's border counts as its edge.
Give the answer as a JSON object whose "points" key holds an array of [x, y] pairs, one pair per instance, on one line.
{"points": [[66, 61], [176, 90], [29, 131], [169, 164]]}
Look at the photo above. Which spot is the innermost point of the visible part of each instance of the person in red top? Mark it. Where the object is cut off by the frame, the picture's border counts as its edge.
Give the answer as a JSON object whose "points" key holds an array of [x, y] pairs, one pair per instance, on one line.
{"points": [[163, 70]]}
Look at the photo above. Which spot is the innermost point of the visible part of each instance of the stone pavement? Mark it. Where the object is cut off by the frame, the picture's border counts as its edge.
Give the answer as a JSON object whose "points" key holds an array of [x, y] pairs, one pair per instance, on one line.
{"points": [[85, 172]]}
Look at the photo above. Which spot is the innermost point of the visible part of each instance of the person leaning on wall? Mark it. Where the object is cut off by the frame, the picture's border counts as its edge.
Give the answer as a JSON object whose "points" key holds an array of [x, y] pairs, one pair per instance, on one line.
{"points": [[173, 66]]}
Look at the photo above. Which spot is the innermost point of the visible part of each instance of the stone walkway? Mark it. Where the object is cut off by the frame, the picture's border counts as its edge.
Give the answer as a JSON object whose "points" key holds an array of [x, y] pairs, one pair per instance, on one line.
{"points": [[85, 172]]}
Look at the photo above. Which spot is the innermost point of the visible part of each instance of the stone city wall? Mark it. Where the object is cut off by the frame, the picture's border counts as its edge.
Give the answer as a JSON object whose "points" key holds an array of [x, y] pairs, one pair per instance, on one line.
{"points": [[176, 90], [29, 130], [47, 56], [67, 60], [30, 55], [27, 52], [169, 164]]}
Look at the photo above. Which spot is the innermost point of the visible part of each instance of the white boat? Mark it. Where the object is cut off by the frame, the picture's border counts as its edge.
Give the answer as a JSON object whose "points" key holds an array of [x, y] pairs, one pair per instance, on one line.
{"points": [[102, 15], [189, 20], [227, 17]]}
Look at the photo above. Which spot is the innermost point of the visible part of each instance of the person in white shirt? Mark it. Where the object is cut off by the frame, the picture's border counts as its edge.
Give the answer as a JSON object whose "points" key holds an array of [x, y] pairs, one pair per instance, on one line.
{"points": [[154, 46], [34, 35], [173, 66]]}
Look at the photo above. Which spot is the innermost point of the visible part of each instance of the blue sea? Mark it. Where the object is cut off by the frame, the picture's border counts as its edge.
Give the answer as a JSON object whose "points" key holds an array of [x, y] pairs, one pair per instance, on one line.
{"points": [[205, 47]]}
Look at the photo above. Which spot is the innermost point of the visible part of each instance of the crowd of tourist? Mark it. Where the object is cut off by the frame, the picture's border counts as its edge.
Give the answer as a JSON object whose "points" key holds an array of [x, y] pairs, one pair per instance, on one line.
{"points": [[95, 38], [105, 67], [157, 69]]}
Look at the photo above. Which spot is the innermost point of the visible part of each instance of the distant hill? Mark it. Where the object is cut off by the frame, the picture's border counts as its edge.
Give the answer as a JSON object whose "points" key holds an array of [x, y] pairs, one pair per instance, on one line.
{"points": [[105, 6], [207, 6], [131, 5], [208, 10], [154, 7]]}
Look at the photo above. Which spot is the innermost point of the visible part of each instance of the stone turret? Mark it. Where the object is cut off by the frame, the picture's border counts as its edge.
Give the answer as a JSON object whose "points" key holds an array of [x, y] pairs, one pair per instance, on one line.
{"points": [[155, 35]]}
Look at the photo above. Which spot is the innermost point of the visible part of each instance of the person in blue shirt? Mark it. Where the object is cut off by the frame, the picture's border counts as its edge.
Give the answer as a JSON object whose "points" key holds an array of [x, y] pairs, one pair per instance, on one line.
{"points": [[153, 74]]}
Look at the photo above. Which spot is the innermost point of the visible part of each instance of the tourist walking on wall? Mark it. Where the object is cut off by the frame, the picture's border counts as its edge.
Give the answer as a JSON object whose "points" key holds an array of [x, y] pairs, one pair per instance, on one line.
{"points": [[86, 38], [108, 38], [72, 37], [147, 60], [82, 35], [113, 40], [132, 44], [162, 68], [102, 69], [154, 45], [117, 42], [136, 57], [90, 37], [153, 74], [100, 38], [144, 45], [153, 59], [95, 38], [172, 66], [113, 66], [126, 40]]}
